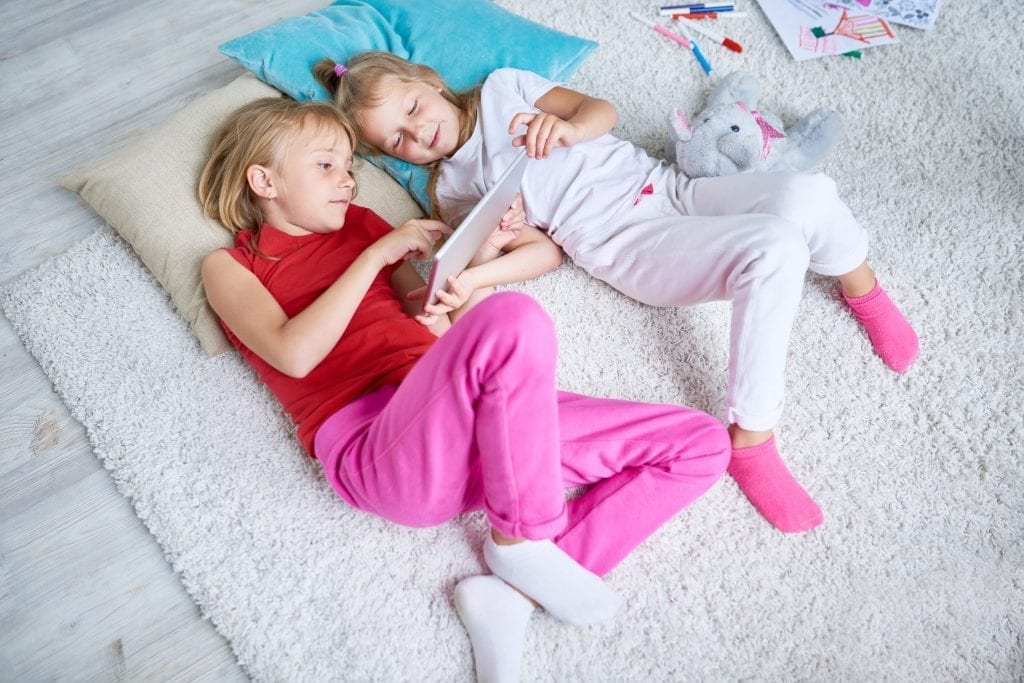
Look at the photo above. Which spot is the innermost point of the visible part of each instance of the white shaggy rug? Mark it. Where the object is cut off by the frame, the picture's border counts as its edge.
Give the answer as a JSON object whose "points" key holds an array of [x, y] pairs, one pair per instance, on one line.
{"points": [[916, 573]]}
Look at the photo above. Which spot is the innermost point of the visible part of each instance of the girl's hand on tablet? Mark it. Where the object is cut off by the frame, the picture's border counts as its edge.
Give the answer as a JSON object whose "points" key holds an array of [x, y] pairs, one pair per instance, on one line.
{"points": [[515, 217], [459, 290], [509, 227], [496, 243], [414, 239]]}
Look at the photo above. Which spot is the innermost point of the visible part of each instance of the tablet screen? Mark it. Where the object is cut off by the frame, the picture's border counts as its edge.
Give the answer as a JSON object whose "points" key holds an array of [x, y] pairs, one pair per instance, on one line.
{"points": [[455, 255]]}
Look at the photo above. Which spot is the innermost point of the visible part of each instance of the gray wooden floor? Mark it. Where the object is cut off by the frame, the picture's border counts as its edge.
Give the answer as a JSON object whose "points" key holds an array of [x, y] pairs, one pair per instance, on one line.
{"points": [[85, 591]]}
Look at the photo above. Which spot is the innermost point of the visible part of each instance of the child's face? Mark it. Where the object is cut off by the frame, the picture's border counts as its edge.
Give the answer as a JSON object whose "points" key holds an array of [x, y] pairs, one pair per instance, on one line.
{"points": [[312, 183], [413, 122]]}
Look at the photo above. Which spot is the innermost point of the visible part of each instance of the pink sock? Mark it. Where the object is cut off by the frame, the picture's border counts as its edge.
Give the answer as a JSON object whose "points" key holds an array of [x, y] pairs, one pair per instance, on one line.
{"points": [[766, 481], [890, 333]]}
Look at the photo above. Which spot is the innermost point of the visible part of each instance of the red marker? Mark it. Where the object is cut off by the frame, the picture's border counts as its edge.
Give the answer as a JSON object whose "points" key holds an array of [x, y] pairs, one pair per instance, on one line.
{"points": [[717, 37], [712, 15]]}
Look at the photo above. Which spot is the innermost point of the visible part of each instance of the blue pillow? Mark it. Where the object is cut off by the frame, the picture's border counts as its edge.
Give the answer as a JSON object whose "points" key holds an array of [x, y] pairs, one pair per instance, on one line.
{"points": [[463, 40]]}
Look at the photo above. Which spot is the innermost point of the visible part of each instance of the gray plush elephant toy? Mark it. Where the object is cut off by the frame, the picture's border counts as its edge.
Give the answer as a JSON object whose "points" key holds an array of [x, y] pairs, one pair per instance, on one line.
{"points": [[731, 136]]}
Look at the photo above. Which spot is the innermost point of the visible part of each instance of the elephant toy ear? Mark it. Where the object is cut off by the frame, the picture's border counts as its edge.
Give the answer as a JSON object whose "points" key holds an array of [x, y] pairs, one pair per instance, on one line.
{"points": [[679, 126]]}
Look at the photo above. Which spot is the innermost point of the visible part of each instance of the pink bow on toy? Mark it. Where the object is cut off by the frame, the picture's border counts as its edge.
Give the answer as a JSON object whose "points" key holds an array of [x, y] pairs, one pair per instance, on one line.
{"points": [[768, 132]]}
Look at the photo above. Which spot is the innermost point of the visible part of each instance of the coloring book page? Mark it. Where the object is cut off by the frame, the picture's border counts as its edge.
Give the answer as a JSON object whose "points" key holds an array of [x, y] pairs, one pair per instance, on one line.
{"points": [[812, 28], [913, 13]]}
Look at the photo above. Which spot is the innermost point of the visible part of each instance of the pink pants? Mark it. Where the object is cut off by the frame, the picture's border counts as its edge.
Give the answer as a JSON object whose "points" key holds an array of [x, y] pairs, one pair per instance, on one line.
{"points": [[478, 423]]}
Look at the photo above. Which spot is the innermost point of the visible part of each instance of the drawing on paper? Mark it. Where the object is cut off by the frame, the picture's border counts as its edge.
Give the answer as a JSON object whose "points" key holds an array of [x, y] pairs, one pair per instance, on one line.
{"points": [[811, 29], [862, 28], [913, 13]]}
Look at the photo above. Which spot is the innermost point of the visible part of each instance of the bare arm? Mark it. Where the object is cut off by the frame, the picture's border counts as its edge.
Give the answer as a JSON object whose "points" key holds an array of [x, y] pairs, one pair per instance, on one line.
{"points": [[529, 255], [292, 345], [298, 344], [566, 117]]}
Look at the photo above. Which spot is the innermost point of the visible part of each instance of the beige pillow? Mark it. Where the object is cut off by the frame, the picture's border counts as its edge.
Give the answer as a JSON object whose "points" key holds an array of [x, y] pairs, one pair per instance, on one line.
{"points": [[147, 191]]}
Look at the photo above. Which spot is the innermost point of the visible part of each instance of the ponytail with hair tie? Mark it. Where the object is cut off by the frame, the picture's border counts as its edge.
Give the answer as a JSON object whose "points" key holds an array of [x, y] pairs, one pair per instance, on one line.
{"points": [[329, 73]]}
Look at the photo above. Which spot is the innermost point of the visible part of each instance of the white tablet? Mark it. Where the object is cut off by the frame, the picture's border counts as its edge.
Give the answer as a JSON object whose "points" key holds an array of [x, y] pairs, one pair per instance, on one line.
{"points": [[456, 253]]}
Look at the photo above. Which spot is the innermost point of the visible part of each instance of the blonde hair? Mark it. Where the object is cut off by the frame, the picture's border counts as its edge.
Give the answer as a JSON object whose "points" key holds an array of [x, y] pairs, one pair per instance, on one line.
{"points": [[361, 86], [256, 134]]}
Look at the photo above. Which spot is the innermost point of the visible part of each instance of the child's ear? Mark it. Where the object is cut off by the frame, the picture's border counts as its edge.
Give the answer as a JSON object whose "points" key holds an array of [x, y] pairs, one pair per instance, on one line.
{"points": [[260, 181]]}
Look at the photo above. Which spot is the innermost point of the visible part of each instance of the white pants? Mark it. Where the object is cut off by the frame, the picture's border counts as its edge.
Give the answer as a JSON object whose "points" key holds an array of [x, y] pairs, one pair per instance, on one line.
{"points": [[748, 238]]}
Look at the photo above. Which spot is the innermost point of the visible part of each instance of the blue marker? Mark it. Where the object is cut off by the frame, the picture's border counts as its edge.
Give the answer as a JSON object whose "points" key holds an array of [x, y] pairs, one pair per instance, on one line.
{"points": [[704, 63], [669, 10], [696, 5], [697, 54]]}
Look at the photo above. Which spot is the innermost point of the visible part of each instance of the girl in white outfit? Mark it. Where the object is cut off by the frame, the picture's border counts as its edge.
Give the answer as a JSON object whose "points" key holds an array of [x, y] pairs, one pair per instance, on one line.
{"points": [[640, 225]]}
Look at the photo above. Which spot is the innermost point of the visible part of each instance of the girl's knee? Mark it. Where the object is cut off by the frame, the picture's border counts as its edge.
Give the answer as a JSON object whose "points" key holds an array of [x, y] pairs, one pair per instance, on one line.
{"points": [[815, 184], [715, 444], [510, 324], [799, 197], [703, 442], [514, 311], [801, 186]]}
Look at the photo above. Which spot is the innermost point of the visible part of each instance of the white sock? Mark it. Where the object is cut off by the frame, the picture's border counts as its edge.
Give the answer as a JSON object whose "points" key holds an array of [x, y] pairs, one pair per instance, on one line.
{"points": [[541, 570], [495, 614]]}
